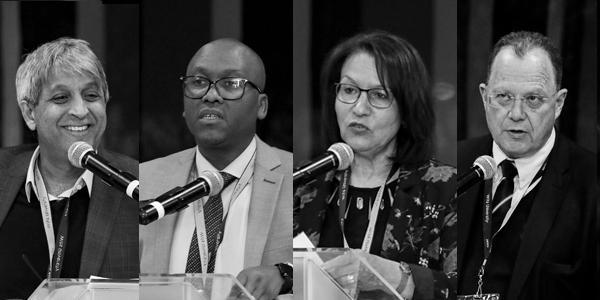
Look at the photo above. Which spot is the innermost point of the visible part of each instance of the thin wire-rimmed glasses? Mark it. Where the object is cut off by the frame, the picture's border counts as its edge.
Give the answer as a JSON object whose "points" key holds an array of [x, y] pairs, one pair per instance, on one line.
{"points": [[229, 88], [349, 93], [506, 99]]}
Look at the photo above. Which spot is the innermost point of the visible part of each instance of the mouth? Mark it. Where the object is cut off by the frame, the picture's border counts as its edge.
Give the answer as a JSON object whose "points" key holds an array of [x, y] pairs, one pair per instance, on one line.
{"points": [[77, 128], [516, 132], [210, 115], [358, 126]]}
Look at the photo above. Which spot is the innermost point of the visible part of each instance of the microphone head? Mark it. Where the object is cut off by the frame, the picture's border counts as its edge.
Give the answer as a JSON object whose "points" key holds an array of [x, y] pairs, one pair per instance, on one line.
{"points": [[344, 154], [214, 180], [76, 152], [487, 165]]}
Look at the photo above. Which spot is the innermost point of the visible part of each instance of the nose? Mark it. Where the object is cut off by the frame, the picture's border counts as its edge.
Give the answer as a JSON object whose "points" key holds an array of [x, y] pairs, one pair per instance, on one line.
{"points": [[78, 107], [212, 95], [516, 112], [361, 106]]}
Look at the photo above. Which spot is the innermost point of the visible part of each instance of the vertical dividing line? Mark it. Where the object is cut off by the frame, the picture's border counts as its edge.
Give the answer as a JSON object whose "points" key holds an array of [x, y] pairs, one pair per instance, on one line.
{"points": [[10, 39], [302, 90]]}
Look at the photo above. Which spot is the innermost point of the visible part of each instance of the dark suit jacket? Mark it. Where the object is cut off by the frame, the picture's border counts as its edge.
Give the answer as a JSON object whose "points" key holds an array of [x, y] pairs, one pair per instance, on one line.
{"points": [[110, 247], [556, 258]]}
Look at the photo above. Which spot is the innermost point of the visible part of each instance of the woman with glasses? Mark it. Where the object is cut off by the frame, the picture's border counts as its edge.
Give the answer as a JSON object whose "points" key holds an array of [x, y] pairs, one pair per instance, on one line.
{"points": [[397, 202]]}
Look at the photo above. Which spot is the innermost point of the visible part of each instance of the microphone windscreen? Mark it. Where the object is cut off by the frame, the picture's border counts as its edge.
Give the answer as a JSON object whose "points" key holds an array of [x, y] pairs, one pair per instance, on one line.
{"points": [[344, 154], [487, 164], [214, 180], [76, 152]]}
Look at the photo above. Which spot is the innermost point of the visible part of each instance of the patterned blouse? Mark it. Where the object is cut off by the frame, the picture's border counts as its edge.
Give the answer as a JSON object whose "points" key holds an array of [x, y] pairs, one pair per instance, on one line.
{"points": [[420, 230]]}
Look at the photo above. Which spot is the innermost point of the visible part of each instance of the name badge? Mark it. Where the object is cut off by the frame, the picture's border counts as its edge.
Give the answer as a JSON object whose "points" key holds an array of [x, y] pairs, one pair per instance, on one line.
{"points": [[479, 297]]}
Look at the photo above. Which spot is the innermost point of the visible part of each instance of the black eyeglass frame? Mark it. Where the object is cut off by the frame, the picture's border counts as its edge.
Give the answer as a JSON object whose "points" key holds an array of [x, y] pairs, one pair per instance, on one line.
{"points": [[214, 83], [337, 85]]}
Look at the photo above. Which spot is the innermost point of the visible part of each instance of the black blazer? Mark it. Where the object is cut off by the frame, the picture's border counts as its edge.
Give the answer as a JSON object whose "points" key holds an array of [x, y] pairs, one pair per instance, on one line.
{"points": [[556, 258], [110, 247]]}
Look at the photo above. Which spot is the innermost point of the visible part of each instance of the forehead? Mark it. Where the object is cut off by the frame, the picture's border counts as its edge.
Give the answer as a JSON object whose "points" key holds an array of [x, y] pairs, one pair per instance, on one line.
{"points": [[66, 79], [533, 70], [223, 59], [360, 67]]}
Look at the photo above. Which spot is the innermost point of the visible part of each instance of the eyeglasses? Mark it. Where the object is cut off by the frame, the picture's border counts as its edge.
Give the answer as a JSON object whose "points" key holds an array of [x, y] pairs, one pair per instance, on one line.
{"points": [[229, 88], [349, 93], [506, 100]]}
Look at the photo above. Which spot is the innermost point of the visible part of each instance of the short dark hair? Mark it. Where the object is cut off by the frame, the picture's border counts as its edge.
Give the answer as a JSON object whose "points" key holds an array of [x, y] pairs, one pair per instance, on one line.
{"points": [[401, 70], [524, 41]]}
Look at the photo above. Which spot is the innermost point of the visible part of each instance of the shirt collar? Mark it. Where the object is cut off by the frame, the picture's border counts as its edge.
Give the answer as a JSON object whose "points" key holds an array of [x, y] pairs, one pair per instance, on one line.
{"points": [[86, 179], [236, 167], [526, 166]]}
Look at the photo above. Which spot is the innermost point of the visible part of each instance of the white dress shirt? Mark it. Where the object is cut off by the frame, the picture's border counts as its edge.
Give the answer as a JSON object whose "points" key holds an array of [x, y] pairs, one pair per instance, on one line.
{"points": [[230, 255], [527, 167], [85, 179]]}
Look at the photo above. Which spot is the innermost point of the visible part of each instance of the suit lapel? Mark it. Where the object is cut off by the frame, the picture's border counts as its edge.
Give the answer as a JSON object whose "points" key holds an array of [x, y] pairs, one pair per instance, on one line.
{"points": [[545, 208], [11, 181], [102, 212], [265, 192]]}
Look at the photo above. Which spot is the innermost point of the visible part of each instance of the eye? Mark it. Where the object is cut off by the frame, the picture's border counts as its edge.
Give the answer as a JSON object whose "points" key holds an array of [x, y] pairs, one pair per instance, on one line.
{"points": [[534, 101], [92, 96], [59, 99], [233, 83], [379, 94], [348, 89], [197, 82]]}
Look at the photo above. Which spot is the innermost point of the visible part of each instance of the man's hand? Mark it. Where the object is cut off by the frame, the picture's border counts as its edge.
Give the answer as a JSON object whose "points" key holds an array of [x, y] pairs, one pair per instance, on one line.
{"points": [[263, 282]]}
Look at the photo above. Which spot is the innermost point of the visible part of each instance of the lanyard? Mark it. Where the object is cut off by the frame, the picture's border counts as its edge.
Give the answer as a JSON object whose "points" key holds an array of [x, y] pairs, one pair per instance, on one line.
{"points": [[373, 214], [487, 222], [55, 252], [199, 215]]}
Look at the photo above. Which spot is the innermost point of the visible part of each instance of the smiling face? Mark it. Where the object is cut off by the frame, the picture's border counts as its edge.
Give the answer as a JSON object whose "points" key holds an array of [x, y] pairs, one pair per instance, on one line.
{"points": [[215, 122], [70, 108], [366, 129], [520, 130]]}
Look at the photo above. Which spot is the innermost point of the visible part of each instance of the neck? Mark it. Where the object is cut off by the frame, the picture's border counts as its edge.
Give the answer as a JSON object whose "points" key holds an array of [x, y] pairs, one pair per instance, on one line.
{"points": [[58, 174], [370, 171], [221, 156]]}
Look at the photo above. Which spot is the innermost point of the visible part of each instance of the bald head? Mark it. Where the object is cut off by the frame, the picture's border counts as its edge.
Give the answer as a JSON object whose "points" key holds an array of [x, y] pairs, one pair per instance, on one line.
{"points": [[232, 57]]}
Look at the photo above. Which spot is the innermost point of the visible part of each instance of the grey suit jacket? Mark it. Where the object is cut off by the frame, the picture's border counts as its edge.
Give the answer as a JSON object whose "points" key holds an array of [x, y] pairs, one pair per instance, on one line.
{"points": [[269, 233], [110, 247]]}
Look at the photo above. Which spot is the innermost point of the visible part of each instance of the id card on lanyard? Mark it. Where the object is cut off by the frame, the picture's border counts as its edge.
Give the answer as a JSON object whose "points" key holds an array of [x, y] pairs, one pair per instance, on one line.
{"points": [[199, 215], [373, 214], [56, 252]]}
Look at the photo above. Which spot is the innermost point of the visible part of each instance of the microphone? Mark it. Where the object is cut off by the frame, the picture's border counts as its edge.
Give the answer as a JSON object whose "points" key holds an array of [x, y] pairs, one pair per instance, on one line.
{"points": [[483, 168], [339, 156], [208, 183], [82, 155]]}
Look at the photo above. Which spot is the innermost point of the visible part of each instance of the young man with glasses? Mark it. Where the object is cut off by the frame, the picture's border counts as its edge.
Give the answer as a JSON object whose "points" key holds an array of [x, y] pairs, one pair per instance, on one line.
{"points": [[542, 200], [223, 94]]}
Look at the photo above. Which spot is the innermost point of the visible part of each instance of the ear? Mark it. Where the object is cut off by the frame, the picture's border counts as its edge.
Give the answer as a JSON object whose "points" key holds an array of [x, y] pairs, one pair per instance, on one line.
{"points": [[28, 112], [561, 96], [482, 87], [263, 106]]}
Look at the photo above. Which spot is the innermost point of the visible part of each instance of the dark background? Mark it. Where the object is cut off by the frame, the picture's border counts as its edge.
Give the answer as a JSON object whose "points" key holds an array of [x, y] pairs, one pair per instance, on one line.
{"points": [[572, 25], [319, 26], [172, 31], [113, 33]]}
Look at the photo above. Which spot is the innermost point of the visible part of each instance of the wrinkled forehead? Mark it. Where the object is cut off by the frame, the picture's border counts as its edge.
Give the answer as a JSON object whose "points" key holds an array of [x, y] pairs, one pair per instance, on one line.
{"points": [[532, 70], [227, 58]]}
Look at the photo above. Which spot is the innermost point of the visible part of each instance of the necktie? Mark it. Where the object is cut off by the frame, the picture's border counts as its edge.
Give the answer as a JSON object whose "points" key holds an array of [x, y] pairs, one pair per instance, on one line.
{"points": [[213, 222], [503, 195]]}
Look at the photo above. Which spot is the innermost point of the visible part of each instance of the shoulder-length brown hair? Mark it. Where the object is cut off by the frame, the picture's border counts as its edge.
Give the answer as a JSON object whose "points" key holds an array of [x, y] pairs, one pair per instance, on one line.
{"points": [[401, 71]]}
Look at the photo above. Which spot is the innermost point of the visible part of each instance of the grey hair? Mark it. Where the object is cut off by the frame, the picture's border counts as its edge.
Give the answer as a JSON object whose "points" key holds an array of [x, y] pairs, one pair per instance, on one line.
{"points": [[69, 55]]}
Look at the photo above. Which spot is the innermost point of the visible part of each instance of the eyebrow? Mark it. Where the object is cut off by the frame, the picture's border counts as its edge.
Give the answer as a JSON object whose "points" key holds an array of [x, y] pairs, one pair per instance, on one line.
{"points": [[379, 86], [223, 73]]}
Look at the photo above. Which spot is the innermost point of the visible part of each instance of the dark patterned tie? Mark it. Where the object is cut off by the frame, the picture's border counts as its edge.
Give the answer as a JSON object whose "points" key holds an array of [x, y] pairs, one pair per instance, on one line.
{"points": [[503, 195], [213, 221]]}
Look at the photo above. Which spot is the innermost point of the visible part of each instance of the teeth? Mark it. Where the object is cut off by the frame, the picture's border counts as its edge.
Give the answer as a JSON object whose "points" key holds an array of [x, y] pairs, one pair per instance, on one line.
{"points": [[210, 117], [77, 128]]}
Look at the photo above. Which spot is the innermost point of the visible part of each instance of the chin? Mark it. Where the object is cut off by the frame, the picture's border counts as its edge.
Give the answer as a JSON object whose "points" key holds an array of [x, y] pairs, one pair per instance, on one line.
{"points": [[210, 139]]}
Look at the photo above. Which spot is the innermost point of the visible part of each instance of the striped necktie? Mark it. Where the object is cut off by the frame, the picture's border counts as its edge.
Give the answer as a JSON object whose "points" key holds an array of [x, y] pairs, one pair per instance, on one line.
{"points": [[504, 192], [213, 221]]}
